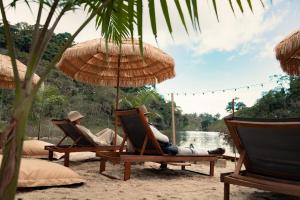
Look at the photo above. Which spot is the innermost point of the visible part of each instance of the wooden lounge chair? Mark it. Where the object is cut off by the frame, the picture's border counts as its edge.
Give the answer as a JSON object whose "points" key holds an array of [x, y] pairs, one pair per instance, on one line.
{"points": [[81, 141], [147, 148], [270, 152]]}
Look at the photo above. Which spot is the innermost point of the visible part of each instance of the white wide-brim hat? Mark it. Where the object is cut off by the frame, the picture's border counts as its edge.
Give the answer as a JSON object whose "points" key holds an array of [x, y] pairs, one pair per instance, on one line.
{"points": [[144, 109], [74, 115]]}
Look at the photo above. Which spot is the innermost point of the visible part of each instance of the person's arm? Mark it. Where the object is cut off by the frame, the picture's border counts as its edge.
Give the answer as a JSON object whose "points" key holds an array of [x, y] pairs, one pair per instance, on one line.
{"points": [[158, 135]]}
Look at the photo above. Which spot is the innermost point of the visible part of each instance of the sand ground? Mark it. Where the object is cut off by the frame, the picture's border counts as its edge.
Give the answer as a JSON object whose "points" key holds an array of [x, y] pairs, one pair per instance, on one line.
{"points": [[148, 182]]}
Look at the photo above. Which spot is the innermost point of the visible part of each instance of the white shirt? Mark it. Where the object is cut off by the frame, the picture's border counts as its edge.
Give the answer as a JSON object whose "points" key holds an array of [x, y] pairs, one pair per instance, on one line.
{"points": [[158, 135], [91, 135]]}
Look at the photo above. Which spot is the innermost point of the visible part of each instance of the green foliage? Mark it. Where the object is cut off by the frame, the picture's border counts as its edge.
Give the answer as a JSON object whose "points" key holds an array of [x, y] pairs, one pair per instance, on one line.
{"points": [[238, 105], [23, 40]]}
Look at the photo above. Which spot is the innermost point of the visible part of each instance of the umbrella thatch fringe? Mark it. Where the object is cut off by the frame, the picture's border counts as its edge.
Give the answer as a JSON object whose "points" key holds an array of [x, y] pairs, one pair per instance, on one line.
{"points": [[288, 53], [288, 46], [96, 46], [91, 62], [7, 74]]}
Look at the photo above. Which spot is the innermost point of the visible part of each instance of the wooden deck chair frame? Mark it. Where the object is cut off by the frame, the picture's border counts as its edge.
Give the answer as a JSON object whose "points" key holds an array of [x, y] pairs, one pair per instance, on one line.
{"points": [[273, 181], [143, 153], [81, 142]]}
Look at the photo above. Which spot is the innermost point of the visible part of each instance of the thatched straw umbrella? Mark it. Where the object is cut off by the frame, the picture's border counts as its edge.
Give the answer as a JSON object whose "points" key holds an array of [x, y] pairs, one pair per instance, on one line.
{"points": [[95, 62], [288, 53], [7, 74]]}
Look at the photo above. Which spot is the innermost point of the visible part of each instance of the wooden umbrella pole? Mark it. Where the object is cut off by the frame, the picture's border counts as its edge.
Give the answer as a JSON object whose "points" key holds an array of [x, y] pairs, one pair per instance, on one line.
{"points": [[117, 99], [232, 104], [173, 119]]}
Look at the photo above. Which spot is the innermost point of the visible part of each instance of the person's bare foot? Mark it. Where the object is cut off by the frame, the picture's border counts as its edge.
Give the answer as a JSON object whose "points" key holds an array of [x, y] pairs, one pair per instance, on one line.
{"points": [[217, 151]]}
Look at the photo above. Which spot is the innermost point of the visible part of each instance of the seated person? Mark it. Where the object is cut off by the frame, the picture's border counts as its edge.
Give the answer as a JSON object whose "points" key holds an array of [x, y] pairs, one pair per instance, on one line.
{"points": [[104, 137], [167, 147]]}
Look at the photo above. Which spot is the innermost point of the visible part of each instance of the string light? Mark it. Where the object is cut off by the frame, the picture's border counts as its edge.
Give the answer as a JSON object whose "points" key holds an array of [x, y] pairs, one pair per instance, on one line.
{"points": [[229, 89]]}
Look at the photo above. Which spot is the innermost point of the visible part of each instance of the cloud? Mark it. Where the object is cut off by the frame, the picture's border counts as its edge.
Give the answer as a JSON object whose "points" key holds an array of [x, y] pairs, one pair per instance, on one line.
{"points": [[243, 32]]}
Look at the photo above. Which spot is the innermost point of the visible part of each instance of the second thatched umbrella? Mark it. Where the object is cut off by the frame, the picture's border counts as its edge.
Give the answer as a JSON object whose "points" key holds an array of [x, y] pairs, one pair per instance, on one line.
{"points": [[288, 53], [7, 74], [95, 62]]}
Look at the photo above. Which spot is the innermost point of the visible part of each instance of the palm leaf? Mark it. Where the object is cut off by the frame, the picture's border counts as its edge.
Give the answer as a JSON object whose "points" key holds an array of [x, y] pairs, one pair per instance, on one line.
{"points": [[196, 16], [152, 17], [180, 14], [262, 3], [139, 6], [164, 7], [189, 7], [216, 10], [240, 5], [130, 18], [231, 6], [250, 5]]}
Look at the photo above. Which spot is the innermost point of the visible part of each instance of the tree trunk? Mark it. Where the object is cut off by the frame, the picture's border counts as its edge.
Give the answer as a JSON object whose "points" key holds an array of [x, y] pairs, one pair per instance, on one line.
{"points": [[12, 149]]}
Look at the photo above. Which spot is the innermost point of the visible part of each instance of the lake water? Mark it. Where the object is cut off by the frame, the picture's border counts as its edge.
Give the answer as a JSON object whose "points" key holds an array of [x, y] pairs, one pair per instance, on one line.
{"points": [[203, 140]]}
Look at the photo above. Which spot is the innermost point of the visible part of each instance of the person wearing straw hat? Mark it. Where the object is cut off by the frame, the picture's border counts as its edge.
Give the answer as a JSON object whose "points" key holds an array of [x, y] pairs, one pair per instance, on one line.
{"points": [[104, 137], [169, 148]]}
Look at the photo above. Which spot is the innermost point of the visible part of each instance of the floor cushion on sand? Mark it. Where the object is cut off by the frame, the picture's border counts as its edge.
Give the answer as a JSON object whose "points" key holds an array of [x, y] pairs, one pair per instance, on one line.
{"points": [[82, 156], [39, 173], [35, 148]]}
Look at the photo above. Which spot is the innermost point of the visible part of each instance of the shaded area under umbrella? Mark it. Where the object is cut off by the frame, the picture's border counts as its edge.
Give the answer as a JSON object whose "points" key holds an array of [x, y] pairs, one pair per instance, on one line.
{"points": [[107, 64], [288, 53]]}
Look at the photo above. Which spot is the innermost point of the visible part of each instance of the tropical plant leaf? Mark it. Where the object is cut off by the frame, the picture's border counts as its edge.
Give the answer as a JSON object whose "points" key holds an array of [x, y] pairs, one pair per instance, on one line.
{"points": [[262, 3], [231, 6], [181, 14], [196, 16], [131, 18], [139, 6], [216, 10], [240, 5], [189, 7], [250, 5], [152, 17], [164, 7]]}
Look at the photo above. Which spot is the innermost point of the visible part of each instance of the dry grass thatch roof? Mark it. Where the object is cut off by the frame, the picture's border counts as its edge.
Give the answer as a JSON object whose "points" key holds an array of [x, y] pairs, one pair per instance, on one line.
{"points": [[288, 53], [94, 63], [7, 75]]}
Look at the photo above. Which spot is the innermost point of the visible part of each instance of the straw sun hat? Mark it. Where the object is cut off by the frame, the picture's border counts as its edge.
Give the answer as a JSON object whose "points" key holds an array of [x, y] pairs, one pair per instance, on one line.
{"points": [[144, 109], [74, 115]]}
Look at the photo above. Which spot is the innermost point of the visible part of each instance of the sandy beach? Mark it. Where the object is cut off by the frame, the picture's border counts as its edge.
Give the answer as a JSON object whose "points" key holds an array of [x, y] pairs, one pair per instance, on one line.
{"points": [[149, 182]]}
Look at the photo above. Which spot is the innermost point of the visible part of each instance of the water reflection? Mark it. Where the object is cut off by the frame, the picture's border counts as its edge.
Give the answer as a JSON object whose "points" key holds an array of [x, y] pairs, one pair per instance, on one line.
{"points": [[202, 140]]}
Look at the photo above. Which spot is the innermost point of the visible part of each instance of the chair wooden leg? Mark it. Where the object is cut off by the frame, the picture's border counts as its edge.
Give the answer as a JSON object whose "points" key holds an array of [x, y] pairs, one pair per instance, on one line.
{"points": [[127, 170], [226, 191], [102, 165], [163, 166], [211, 168], [50, 156], [67, 158]]}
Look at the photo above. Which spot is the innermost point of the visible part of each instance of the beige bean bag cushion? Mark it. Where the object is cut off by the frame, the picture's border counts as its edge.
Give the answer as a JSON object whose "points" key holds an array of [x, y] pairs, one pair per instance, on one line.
{"points": [[36, 149], [39, 173], [82, 156]]}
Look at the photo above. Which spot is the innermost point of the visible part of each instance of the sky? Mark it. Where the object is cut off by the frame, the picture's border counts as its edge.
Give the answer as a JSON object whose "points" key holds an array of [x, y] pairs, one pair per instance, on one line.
{"points": [[236, 52]]}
